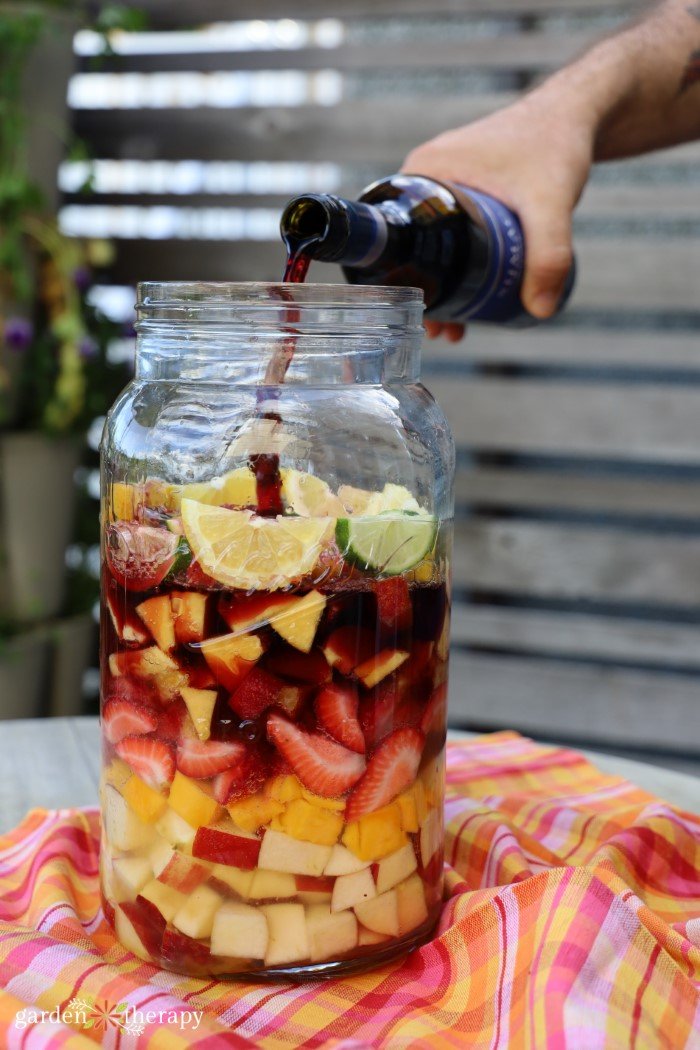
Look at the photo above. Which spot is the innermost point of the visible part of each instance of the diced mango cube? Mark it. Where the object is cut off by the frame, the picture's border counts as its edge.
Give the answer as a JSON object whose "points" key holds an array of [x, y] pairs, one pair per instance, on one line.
{"points": [[377, 834], [302, 820], [421, 800], [117, 774], [407, 804], [192, 803], [284, 788], [335, 804], [147, 803], [255, 811]]}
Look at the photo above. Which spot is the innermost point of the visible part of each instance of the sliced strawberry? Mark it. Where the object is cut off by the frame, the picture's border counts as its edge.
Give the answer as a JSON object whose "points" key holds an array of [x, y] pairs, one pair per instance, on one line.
{"points": [[433, 718], [243, 779], [258, 691], [349, 646], [392, 767], [205, 758], [137, 692], [195, 577], [252, 611], [394, 607], [153, 760], [377, 712], [289, 663], [122, 718], [336, 709], [322, 765]]}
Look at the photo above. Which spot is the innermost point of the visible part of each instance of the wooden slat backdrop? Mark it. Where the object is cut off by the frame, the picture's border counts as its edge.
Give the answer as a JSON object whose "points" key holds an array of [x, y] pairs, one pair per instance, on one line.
{"points": [[577, 554]]}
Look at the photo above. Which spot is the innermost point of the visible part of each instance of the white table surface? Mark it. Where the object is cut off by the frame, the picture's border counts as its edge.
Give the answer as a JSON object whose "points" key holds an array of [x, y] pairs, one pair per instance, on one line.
{"points": [[55, 763]]}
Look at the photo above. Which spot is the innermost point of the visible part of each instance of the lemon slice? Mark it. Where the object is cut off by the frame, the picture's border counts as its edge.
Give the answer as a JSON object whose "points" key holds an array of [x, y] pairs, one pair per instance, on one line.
{"points": [[246, 552], [392, 497], [237, 488], [308, 495]]}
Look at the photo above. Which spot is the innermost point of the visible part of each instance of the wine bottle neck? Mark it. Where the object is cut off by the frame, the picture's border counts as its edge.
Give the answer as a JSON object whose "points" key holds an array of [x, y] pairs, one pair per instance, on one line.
{"points": [[332, 229]]}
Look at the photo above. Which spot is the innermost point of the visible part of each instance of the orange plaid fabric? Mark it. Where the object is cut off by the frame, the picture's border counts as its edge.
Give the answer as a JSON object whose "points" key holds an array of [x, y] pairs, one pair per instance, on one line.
{"points": [[571, 920]]}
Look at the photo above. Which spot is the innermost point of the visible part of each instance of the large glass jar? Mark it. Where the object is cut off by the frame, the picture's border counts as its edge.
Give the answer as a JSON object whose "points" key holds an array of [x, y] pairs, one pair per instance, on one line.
{"points": [[277, 503]]}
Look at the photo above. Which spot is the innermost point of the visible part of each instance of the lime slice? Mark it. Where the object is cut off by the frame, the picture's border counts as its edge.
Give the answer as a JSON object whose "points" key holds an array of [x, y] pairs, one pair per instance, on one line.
{"points": [[246, 552], [390, 543]]}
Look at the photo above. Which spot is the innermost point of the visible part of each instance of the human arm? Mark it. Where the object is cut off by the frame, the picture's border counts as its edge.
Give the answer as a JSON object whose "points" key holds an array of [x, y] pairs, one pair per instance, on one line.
{"points": [[633, 92]]}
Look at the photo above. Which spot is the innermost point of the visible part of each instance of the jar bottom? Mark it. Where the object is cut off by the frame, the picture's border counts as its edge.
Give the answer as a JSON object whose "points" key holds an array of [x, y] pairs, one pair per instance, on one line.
{"points": [[355, 963]]}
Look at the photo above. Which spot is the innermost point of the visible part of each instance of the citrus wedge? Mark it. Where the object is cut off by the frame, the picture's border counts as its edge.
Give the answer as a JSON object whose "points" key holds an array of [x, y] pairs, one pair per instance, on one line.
{"points": [[236, 488], [246, 552], [390, 543], [309, 496]]}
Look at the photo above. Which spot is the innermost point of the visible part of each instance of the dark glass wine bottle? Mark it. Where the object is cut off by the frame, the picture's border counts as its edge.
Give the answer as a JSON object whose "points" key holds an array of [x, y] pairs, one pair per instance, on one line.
{"points": [[464, 249]]}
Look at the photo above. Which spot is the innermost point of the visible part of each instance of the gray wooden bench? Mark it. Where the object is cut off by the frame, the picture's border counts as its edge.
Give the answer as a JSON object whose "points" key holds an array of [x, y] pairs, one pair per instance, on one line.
{"points": [[577, 561]]}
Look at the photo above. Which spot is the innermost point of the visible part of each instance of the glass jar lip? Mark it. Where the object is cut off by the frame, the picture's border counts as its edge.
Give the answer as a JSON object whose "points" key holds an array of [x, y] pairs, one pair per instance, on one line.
{"points": [[153, 296]]}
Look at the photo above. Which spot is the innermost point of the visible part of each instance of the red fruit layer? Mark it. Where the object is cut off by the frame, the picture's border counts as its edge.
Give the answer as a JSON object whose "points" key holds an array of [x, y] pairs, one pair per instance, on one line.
{"points": [[220, 847], [251, 611], [392, 767], [122, 718], [433, 718], [127, 688], [306, 668], [172, 722], [205, 758], [322, 765], [139, 557], [314, 883], [336, 710], [429, 607], [394, 608], [153, 760], [258, 691]]}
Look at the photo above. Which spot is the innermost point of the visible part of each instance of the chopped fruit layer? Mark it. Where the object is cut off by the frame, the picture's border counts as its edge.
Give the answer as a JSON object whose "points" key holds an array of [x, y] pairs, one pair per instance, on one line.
{"points": [[321, 764], [273, 726]]}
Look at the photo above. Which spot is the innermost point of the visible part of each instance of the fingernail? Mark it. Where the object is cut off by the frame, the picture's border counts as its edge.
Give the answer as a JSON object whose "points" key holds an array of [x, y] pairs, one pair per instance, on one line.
{"points": [[544, 304]]}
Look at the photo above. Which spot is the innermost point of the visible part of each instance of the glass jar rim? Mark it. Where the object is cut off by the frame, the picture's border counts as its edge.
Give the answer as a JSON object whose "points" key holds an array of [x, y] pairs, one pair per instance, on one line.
{"points": [[153, 297]]}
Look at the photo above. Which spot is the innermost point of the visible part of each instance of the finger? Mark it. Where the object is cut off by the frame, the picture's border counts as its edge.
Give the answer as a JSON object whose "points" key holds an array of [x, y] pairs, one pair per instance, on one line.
{"points": [[432, 329], [548, 257]]}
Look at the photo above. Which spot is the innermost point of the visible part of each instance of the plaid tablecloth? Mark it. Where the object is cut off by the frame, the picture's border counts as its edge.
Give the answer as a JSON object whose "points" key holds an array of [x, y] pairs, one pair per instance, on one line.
{"points": [[572, 919]]}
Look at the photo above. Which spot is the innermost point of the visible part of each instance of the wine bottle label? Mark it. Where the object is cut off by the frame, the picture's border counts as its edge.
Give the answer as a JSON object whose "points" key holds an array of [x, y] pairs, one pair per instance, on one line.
{"points": [[498, 298]]}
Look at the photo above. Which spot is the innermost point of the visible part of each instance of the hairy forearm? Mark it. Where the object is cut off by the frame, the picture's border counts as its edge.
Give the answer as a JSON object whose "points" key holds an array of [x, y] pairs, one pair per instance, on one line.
{"points": [[640, 89]]}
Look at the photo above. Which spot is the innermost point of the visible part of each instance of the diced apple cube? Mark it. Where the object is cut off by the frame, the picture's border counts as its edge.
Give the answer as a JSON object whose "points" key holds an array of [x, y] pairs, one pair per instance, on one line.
{"points": [[157, 614], [378, 667], [253, 611], [183, 873], [269, 885], [367, 938], [123, 828], [298, 623], [347, 647], [431, 836], [175, 829], [128, 628], [189, 614], [196, 916], [167, 900], [200, 704], [132, 874], [282, 852], [142, 663], [343, 862], [189, 799], [233, 878], [330, 935], [314, 889], [349, 890], [289, 941], [395, 868], [128, 936], [239, 931], [380, 914], [227, 844], [412, 909], [159, 854], [116, 773]]}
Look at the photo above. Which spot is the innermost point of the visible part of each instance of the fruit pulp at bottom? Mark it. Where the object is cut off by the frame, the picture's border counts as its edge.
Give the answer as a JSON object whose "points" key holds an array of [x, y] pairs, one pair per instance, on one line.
{"points": [[273, 774]]}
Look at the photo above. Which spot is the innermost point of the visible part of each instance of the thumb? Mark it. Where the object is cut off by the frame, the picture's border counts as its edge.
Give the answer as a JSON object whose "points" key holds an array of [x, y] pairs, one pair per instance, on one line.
{"points": [[548, 257]]}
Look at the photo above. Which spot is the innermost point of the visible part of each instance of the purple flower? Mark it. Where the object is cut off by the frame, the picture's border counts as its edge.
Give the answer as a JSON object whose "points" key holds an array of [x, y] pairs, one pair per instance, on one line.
{"points": [[87, 348], [18, 333], [82, 278]]}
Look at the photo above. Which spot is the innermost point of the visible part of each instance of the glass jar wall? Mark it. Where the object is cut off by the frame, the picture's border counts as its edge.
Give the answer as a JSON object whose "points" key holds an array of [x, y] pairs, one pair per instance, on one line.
{"points": [[277, 517]]}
